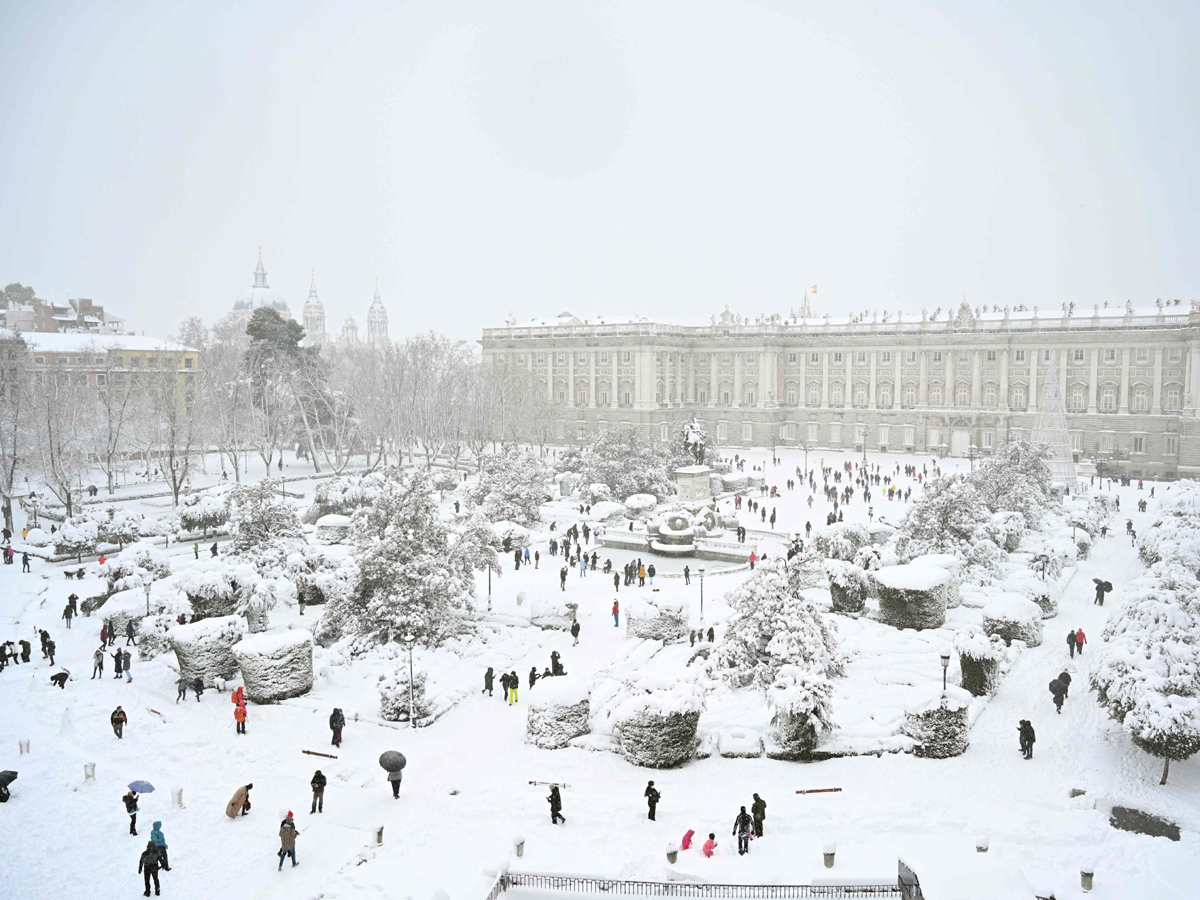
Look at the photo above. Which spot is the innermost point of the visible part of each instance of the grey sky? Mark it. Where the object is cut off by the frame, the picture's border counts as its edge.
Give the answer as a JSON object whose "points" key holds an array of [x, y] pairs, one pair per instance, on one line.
{"points": [[642, 158]]}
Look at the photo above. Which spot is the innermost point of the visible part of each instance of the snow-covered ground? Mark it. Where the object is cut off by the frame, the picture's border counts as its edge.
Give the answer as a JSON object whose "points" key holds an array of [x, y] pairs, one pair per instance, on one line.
{"points": [[466, 791]]}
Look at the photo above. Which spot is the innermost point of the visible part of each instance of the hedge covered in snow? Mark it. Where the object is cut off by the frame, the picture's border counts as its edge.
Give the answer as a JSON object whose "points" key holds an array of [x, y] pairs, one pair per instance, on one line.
{"points": [[211, 589], [152, 636], [657, 621], [840, 541], [912, 596], [205, 649], [937, 723], [952, 564], [276, 666], [551, 614], [639, 505], [848, 585], [658, 729], [558, 711], [1012, 617], [979, 658]]}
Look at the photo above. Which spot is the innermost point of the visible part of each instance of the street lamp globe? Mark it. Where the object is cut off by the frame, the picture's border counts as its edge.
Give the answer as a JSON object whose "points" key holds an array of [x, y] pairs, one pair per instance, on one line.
{"points": [[945, 666]]}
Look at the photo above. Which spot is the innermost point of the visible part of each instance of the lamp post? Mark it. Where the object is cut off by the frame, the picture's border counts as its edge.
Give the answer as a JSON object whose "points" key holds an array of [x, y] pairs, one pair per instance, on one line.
{"points": [[700, 572], [489, 587], [146, 582], [410, 642], [945, 666]]}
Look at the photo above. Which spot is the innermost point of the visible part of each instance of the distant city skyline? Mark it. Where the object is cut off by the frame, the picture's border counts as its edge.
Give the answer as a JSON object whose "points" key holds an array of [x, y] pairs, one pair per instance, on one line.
{"points": [[626, 159]]}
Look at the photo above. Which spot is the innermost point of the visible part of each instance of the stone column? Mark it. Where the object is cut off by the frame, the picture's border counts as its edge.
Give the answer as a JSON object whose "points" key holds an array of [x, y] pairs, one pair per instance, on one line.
{"points": [[1191, 375], [825, 356], [571, 377], [977, 378], [898, 381], [714, 381], [923, 379], [592, 354], [691, 376], [1003, 398], [1033, 388], [1156, 406], [871, 383], [1093, 381], [1062, 378], [1123, 400], [737, 379], [950, 389]]}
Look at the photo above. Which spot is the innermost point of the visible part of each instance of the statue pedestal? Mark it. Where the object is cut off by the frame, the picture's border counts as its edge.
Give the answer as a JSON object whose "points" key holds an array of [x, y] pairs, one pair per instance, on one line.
{"points": [[692, 484]]}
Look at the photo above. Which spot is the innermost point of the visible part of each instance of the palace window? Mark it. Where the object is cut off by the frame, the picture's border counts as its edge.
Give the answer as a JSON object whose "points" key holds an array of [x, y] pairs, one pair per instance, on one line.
{"points": [[1019, 356], [988, 438], [1143, 355], [836, 395], [725, 397], [814, 431], [1018, 396], [910, 435], [541, 359], [963, 396], [604, 357], [862, 359], [860, 394], [1110, 356], [886, 356], [884, 434], [791, 357], [835, 433], [628, 398], [935, 435], [912, 356], [910, 395], [1077, 397], [1047, 355], [788, 432], [1139, 443], [1077, 441], [989, 395], [814, 395], [750, 398], [1172, 399], [837, 357], [1106, 443], [664, 432], [581, 398], [747, 432], [791, 395], [604, 398], [626, 356], [562, 359], [1171, 445], [935, 395], [991, 355], [1078, 356], [885, 395], [964, 355], [702, 396], [814, 358], [722, 431], [860, 434], [1140, 403], [1108, 398], [1175, 354], [937, 355]]}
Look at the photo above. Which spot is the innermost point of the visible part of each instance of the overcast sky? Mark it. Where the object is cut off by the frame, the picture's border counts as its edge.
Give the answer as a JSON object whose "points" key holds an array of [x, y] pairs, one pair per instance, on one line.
{"points": [[649, 158]]}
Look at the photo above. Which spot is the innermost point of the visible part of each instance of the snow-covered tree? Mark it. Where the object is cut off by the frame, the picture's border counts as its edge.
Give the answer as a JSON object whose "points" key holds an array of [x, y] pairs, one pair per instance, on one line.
{"points": [[204, 510], [261, 517], [136, 566], [773, 626], [802, 707], [76, 537], [444, 481], [1147, 671], [1016, 479], [629, 464], [414, 576], [512, 485], [943, 520], [118, 526]]}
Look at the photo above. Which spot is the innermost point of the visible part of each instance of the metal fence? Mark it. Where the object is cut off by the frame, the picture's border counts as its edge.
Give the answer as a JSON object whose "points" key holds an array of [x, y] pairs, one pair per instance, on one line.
{"points": [[683, 889]]}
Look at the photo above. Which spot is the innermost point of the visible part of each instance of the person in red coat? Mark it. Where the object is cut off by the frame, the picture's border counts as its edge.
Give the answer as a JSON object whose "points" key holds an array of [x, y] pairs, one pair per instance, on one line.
{"points": [[753, 558], [616, 614], [710, 845], [1080, 640], [239, 716], [239, 696]]}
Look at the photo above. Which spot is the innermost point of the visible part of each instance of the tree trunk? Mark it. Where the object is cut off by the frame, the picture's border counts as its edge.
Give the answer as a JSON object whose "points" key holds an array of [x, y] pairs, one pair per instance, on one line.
{"points": [[1166, 769]]}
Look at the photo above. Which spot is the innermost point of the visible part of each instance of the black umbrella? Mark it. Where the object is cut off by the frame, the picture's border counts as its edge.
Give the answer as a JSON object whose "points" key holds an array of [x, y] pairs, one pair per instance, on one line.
{"points": [[7, 777], [392, 760]]}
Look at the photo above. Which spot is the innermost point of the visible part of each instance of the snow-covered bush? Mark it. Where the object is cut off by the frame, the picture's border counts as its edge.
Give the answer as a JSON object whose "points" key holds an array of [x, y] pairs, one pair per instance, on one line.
{"points": [[322, 577], [276, 666], [802, 710], [77, 537], [1166, 726], [597, 493], [445, 481], [943, 520], [848, 585], [204, 650], [167, 525], [118, 526], [1006, 528], [204, 510], [979, 658], [936, 720], [1174, 536], [152, 636], [345, 493], [912, 596], [35, 537], [638, 505], [657, 729], [262, 519], [211, 589], [1047, 564], [773, 626], [952, 564], [394, 695], [558, 711], [332, 529], [511, 487], [259, 596], [516, 535], [657, 621], [1044, 593], [1012, 617], [868, 558], [136, 565], [841, 541], [624, 461], [552, 614]]}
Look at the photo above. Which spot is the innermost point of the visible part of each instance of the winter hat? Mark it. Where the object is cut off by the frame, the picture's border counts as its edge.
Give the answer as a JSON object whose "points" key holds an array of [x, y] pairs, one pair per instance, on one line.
{"points": [[289, 815]]}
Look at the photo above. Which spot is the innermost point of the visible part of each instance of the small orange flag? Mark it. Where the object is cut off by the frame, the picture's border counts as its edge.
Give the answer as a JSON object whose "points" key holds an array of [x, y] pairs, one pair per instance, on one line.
{"points": [[814, 288]]}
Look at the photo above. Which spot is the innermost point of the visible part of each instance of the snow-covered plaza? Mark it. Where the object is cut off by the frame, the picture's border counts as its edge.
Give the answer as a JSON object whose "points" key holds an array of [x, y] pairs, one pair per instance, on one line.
{"points": [[840, 703]]}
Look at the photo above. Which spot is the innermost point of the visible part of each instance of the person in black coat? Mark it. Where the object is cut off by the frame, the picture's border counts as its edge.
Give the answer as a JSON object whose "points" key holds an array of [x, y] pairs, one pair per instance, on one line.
{"points": [[758, 810], [489, 678], [1058, 691], [555, 799], [148, 864], [741, 828], [533, 675], [1025, 731], [652, 797], [556, 664], [26, 649], [575, 632], [337, 721], [711, 634], [318, 788], [130, 800]]}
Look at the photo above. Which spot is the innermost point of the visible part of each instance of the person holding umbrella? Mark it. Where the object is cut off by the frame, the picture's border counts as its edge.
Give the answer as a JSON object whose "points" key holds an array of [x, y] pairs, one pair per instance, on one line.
{"points": [[1102, 588], [131, 807], [393, 762]]}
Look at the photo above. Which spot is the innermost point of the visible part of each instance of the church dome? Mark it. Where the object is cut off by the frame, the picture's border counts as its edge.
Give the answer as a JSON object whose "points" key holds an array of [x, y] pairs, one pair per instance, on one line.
{"points": [[260, 294]]}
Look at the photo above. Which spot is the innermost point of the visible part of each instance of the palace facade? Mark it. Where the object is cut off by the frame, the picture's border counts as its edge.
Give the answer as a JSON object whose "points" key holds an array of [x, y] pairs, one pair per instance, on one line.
{"points": [[960, 385]]}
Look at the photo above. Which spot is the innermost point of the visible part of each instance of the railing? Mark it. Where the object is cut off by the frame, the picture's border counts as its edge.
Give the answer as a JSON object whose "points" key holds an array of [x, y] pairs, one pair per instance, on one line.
{"points": [[690, 889]]}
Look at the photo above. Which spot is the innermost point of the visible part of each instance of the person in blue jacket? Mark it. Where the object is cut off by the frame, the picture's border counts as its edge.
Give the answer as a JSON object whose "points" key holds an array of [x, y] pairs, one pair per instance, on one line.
{"points": [[160, 843]]}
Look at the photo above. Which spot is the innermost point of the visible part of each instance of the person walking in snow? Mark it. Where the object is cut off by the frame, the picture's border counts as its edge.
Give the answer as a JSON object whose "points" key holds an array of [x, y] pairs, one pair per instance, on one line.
{"points": [[514, 682], [1027, 737], [337, 721], [1058, 691], [1102, 588], [129, 634], [287, 841], [213, 549], [575, 632], [687, 575], [318, 788], [489, 678], [98, 663], [556, 666], [758, 809], [616, 614], [117, 720], [127, 665], [131, 808], [50, 648], [239, 716], [148, 864], [562, 578], [616, 582], [68, 614], [504, 686], [711, 635], [1071, 643], [741, 828], [555, 800], [181, 686], [160, 844], [652, 797], [1080, 640]]}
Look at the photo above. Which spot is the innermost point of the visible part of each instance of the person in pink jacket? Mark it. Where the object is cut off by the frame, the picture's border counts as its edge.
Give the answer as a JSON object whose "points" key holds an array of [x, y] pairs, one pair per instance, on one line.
{"points": [[710, 845], [686, 843]]}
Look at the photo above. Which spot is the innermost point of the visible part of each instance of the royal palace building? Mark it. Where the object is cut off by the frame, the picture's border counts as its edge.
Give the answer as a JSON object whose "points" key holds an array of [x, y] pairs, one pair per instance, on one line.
{"points": [[958, 385]]}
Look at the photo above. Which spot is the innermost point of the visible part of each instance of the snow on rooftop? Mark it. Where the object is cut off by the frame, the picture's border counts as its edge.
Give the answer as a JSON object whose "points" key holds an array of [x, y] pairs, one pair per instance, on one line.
{"points": [[87, 342]]}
